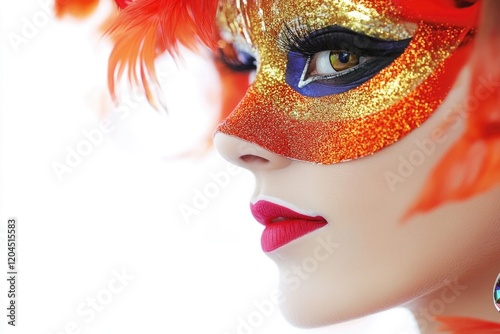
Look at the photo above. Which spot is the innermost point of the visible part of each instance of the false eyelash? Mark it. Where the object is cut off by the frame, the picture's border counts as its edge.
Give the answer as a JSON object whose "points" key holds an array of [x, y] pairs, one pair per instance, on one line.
{"points": [[293, 37], [300, 38]]}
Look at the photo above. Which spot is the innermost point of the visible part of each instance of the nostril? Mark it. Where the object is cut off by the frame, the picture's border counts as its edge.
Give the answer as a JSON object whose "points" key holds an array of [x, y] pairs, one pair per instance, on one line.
{"points": [[250, 158], [248, 155]]}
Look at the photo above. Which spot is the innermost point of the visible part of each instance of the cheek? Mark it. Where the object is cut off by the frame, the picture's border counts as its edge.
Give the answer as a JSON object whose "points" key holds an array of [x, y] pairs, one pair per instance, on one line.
{"points": [[389, 181], [379, 262]]}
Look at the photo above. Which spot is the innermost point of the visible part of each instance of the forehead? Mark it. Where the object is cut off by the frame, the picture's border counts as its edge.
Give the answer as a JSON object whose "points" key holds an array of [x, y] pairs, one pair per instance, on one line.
{"points": [[255, 20]]}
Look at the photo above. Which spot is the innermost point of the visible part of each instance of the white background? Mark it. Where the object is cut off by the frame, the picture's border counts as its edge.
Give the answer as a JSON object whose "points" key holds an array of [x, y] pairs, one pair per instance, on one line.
{"points": [[118, 209]]}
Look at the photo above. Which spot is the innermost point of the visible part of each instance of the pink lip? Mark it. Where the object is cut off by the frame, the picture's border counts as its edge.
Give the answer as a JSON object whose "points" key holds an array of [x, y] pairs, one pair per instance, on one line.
{"points": [[282, 224]]}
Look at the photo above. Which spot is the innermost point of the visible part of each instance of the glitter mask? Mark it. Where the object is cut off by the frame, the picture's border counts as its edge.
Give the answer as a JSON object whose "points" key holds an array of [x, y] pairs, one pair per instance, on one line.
{"points": [[400, 73]]}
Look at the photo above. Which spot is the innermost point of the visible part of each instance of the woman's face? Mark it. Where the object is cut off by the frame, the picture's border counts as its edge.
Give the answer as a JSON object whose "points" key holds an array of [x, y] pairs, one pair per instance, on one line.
{"points": [[335, 230]]}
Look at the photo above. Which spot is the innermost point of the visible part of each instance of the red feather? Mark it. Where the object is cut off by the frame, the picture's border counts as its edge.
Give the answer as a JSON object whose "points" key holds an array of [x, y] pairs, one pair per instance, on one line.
{"points": [[123, 3], [77, 8], [147, 28], [460, 325], [472, 165]]}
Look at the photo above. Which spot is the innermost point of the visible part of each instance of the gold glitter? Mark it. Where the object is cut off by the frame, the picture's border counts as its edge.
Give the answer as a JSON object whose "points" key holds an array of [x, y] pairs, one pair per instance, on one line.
{"points": [[343, 126], [359, 16], [389, 86], [356, 16]]}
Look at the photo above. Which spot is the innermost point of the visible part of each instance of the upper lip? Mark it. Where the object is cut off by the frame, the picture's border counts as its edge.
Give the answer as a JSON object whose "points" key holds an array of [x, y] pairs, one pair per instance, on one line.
{"points": [[266, 213]]}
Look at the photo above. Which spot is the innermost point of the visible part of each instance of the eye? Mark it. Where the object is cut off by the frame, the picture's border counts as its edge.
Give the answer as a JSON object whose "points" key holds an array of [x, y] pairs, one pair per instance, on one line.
{"points": [[331, 62], [234, 58], [334, 59]]}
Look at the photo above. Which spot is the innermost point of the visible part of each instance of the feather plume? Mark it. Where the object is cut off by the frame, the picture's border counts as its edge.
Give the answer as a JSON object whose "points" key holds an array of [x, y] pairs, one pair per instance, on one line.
{"points": [[123, 3], [146, 28], [472, 165]]}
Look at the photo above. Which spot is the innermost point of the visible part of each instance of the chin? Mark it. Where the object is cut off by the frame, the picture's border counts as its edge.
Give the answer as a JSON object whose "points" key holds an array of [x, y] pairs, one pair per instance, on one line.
{"points": [[314, 313], [313, 304], [335, 294]]}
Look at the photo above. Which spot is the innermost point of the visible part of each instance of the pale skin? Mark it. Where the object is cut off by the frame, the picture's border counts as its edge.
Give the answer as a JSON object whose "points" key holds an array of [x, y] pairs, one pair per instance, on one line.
{"points": [[439, 263]]}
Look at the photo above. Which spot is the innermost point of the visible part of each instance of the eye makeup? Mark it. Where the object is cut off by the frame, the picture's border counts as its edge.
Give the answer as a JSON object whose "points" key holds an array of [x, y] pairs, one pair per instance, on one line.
{"points": [[334, 59]]}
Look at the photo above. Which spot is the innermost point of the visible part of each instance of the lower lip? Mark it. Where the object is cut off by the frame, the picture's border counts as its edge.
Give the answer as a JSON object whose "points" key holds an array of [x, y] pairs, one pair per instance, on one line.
{"points": [[280, 233]]}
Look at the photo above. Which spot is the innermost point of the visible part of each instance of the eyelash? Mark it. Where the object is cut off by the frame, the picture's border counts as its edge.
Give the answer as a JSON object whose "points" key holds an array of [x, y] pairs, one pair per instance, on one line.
{"points": [[301, 38], [292, 38]]}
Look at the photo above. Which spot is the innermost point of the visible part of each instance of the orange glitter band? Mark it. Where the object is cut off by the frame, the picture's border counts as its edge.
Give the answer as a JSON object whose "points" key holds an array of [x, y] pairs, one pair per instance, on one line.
{"points": [[265, 119]]}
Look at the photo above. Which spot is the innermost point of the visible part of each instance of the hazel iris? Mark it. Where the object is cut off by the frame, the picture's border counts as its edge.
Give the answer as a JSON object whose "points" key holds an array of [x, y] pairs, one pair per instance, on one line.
{"points": [[341, 61]]}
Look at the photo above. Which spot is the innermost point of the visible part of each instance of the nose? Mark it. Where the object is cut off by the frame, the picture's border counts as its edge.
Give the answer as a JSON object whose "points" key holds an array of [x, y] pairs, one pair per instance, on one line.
{"points": [[247, 155]]}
